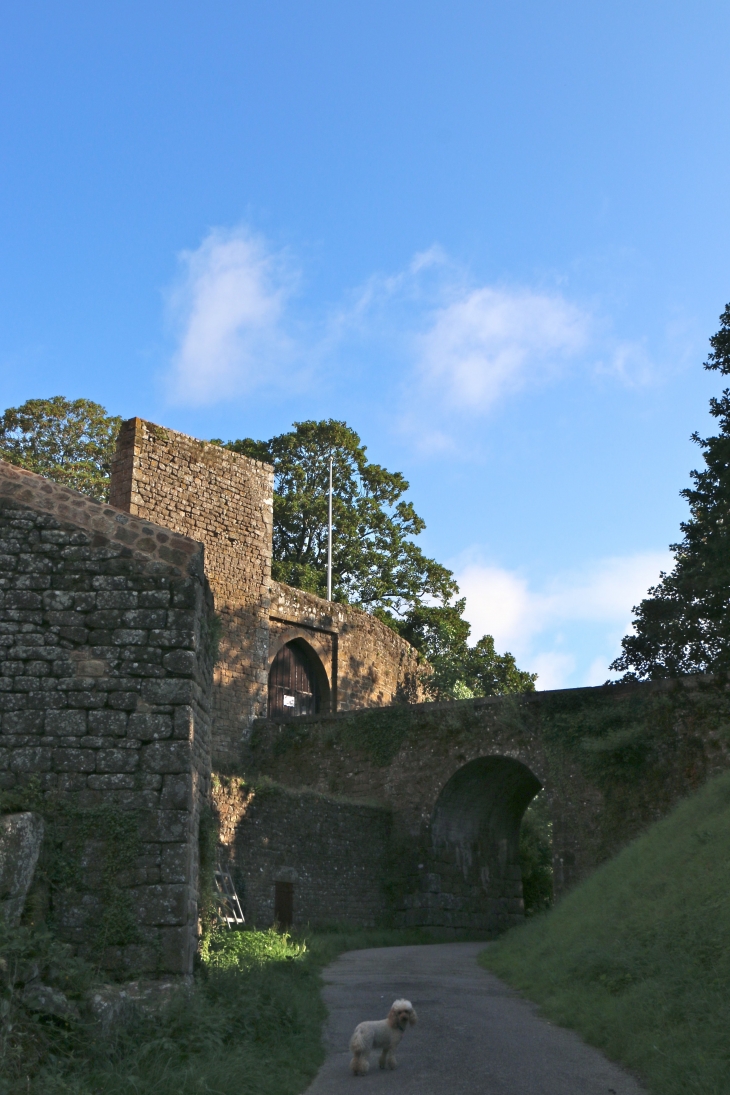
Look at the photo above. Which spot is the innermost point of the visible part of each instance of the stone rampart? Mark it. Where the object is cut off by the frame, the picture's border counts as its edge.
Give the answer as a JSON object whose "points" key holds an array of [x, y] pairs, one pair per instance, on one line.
{"points": [[223, 500], [367, 663], [333, 853], [458, 777], [105, 680]]}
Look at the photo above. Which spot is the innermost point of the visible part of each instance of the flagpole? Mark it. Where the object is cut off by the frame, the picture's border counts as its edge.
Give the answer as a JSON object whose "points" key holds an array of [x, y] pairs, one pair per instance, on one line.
{"points": [[329, 538]]}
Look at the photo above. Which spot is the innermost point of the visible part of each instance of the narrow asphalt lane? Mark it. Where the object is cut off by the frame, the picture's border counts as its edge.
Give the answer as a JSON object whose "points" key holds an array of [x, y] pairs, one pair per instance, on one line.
{"points": [[474, 1034]]}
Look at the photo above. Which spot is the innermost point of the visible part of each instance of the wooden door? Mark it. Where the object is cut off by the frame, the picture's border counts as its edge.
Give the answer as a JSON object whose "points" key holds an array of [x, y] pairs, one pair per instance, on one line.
{"points": [[284, 904], [293, 688]]}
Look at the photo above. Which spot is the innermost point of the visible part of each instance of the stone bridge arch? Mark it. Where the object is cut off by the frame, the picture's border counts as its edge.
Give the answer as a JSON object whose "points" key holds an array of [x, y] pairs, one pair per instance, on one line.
{"points": [[471, 876]]}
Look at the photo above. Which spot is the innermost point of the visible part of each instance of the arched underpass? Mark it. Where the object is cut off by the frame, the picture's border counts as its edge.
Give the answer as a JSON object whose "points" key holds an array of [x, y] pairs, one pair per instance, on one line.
{"points": [[473, 878]]}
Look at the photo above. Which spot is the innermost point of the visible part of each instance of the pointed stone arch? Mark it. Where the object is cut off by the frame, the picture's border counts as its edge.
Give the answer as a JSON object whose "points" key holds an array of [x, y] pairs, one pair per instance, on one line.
{"points": [[298, 683]]}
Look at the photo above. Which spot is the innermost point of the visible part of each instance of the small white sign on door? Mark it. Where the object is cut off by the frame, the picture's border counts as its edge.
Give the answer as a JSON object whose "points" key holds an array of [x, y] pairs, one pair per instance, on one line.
{"points": [[289, 701]]}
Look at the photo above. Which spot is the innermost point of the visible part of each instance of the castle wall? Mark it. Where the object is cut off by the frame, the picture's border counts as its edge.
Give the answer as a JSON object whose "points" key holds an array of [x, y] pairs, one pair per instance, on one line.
{"points": [[224, 500], [371, 665], [105, 683], [611, 761], [335, 854]]}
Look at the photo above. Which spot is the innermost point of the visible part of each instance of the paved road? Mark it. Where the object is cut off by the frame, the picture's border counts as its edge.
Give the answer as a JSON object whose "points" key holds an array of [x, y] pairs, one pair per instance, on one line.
{"points": [[474, 1034]]}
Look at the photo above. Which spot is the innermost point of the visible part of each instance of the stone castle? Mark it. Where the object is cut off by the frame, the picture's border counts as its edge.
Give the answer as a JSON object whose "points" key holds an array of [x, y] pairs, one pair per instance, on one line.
{"points": [[282, 651], [151, 670]]}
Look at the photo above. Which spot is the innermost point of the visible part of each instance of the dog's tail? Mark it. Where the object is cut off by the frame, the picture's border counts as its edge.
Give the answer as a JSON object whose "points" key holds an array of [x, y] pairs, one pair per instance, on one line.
{"points": [[357, 1042]]}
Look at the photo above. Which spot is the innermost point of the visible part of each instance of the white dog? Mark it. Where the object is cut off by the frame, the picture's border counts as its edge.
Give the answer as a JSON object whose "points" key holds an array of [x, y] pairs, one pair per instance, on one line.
{"points": [[383, 1034]]}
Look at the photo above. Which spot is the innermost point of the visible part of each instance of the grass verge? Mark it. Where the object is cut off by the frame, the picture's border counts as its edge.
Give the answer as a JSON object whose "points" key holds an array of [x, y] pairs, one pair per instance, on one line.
{"points": [[637, 957], [251, 1023]]}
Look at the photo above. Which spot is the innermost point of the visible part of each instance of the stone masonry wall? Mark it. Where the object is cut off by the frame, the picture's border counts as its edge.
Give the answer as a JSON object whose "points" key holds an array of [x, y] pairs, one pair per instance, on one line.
{"points": [[105, 684], [370, 664], [335, 853], [224, 500], [611, 761]]}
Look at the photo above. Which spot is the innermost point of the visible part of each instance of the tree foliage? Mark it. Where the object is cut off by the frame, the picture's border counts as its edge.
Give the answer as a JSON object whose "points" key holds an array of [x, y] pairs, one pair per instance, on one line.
{"points": [[69, 441], [683, 625], [459, 671], [375, 563]]}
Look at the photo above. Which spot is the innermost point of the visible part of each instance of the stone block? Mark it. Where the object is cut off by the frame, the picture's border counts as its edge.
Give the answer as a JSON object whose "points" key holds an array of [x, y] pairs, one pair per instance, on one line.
{"points": [[175, 863], [111, 781], [117, 760], [128, 636], [167, 826], [74, 760], [183, 663], [108, 723], [23, 722], [49, 1001], [183, 722], [167, 692], [21, 836], [123, 701], [31, 759], [66, 723], [146, 727], [163, 904], [167, 756], [177, 793]]}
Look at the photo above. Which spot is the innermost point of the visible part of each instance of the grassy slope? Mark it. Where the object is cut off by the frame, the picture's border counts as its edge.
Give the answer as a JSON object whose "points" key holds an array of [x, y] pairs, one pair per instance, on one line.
{"points": [[637, 958]]}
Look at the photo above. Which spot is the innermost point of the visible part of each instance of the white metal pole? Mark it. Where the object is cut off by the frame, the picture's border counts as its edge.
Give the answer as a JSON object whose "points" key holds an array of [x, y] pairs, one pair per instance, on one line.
{"points": [[329, 539]]}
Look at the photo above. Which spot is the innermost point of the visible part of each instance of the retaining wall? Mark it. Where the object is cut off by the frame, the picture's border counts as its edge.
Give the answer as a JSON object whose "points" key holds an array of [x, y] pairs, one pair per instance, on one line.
{"points": [[105, 680]]}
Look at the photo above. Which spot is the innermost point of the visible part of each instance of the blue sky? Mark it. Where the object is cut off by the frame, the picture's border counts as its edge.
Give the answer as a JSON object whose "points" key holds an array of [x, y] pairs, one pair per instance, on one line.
{"points": [[491, 237]]}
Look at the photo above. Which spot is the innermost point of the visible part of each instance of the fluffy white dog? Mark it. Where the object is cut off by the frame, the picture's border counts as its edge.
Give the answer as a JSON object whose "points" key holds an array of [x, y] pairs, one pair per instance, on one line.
{"points": [[382, 1034]]}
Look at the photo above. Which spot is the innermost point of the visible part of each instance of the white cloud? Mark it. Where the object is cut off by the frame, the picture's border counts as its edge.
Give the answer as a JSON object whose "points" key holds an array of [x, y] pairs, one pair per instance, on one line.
{"points": [[228, 310], [531, 622], [630, 364], [488, 341], [554, 669]]}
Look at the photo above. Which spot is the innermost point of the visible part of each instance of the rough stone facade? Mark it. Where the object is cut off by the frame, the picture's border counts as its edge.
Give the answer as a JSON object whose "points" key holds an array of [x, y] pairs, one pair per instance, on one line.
{"points": [[224, 500], [105, 684], [458, 777], [367, 663], [21, 836], [334, 854]]}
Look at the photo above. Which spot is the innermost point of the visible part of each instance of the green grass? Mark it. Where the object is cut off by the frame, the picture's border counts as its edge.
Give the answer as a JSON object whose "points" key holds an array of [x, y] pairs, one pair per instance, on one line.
{"points": [[637, 958], [252, 1022]]}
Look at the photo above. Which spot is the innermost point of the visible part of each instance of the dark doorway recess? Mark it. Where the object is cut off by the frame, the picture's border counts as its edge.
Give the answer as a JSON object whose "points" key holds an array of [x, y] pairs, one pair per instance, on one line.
{"points": [[297, 682], [284, 904]]}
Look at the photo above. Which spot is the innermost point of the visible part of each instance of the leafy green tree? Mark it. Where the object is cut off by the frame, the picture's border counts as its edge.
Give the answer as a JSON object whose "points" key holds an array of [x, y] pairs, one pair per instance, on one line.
{"points": [[683, 625], [375, 563], [456, 670], [69, 441]]}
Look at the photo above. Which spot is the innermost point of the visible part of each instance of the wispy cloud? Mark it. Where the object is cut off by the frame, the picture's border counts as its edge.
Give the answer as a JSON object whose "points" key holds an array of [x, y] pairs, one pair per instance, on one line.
{"points": [[530, 621], [489, 341], [228, 311], [448, 348]]}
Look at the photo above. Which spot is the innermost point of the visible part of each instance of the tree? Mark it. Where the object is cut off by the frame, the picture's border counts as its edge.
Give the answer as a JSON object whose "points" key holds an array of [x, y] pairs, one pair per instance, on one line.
{"points": [[71, 442], [375, 563], [683, 625], [456, 670]]}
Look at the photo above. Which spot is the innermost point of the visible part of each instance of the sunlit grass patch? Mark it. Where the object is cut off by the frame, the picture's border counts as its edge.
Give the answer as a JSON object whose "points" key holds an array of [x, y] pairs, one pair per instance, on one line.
{"points": [[241, 950]]}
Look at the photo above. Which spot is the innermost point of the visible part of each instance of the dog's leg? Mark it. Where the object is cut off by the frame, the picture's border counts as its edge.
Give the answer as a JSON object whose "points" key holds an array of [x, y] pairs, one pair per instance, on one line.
{"points": [[359, 1063], [383, 1057], [390, 1061]]}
